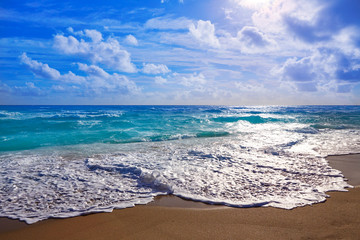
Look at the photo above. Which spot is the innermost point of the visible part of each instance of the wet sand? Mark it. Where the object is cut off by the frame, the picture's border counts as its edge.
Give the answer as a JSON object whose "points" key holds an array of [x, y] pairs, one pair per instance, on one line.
{"points": [[349, 165], [170, 217]]}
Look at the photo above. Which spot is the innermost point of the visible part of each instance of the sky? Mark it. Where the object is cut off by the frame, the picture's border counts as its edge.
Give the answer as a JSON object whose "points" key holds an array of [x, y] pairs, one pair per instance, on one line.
{"points": [[198, 52]]}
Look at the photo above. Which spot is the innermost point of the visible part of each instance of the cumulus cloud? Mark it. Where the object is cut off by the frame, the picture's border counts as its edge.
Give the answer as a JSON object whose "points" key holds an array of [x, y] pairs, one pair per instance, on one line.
{"points": [[306, 73], [248, 40], [204, 32], [270, 17], [253, 37], [308, 31], [191, 80], [329, 19], [94, 35], [96, 81], [322, 67], [93, 70], [40, 69], [44, 71], [299, 70], [321, 36], [307, 21], [150, 68], [99, 81], [131, 40], [109, 52], [113, 83], [70, 77], [76, 33]]}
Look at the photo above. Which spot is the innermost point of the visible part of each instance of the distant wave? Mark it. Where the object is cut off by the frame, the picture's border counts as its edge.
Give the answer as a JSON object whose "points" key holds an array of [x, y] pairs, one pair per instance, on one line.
{"points": [[250, 119]]}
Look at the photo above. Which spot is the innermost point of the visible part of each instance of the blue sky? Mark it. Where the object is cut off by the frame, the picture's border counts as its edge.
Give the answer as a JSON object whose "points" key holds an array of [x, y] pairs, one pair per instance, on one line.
{"points": [[233, 52]]}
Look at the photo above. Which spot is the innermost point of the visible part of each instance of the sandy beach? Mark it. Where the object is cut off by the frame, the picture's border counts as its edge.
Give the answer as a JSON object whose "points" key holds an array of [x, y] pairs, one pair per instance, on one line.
{"points": [[173, 218]]}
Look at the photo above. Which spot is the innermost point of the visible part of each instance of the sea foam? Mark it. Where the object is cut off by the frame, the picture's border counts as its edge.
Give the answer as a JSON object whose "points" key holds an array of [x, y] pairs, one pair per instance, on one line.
{"points": [[242, 161]]}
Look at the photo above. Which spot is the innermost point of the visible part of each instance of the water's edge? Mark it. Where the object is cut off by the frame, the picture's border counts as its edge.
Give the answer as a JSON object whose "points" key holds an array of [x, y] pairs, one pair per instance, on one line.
{"points": [[172, 201]]}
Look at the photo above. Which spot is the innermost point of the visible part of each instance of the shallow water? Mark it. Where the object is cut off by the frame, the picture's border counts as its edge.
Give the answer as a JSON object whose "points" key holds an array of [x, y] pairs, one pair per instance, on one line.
{"points": [[62, 161]]}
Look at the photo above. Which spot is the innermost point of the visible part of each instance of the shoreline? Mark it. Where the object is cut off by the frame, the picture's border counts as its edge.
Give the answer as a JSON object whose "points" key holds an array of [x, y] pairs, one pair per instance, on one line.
{"points": [[350, 168], [337, 217]]}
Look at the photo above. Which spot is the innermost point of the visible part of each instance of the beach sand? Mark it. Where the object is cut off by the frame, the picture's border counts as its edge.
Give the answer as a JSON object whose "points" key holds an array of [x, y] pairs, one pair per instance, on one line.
{"points": [[174, 218]]}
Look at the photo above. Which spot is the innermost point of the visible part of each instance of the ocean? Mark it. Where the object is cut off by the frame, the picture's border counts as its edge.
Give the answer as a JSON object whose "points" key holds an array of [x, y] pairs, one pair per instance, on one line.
{"points": [[64, 161]]}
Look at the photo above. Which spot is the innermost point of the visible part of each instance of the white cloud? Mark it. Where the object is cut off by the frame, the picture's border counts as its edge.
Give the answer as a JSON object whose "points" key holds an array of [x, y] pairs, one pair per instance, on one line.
{"points": [[160, 80], [70, 77], [191, 80], [58, 88], [94, 35], [168, 23], [251, 4], [28, 90], [253, 37], [250, 86], [131, 40], [109, 52], [163, 1], [346, 41], [40, 69], [305, 73], [70, 30], [325, 68], [150, 68], [76, 33], [70, 45], [44, 71], [248, 40], [270, 17], [299, 70], [204, 32], [97, 80], [93, 70], [294, 24]]}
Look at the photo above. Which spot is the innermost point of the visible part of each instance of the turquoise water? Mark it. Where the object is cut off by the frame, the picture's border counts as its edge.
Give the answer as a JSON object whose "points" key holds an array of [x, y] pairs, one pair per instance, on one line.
{"points": [[29, 127], [63, 161]]}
